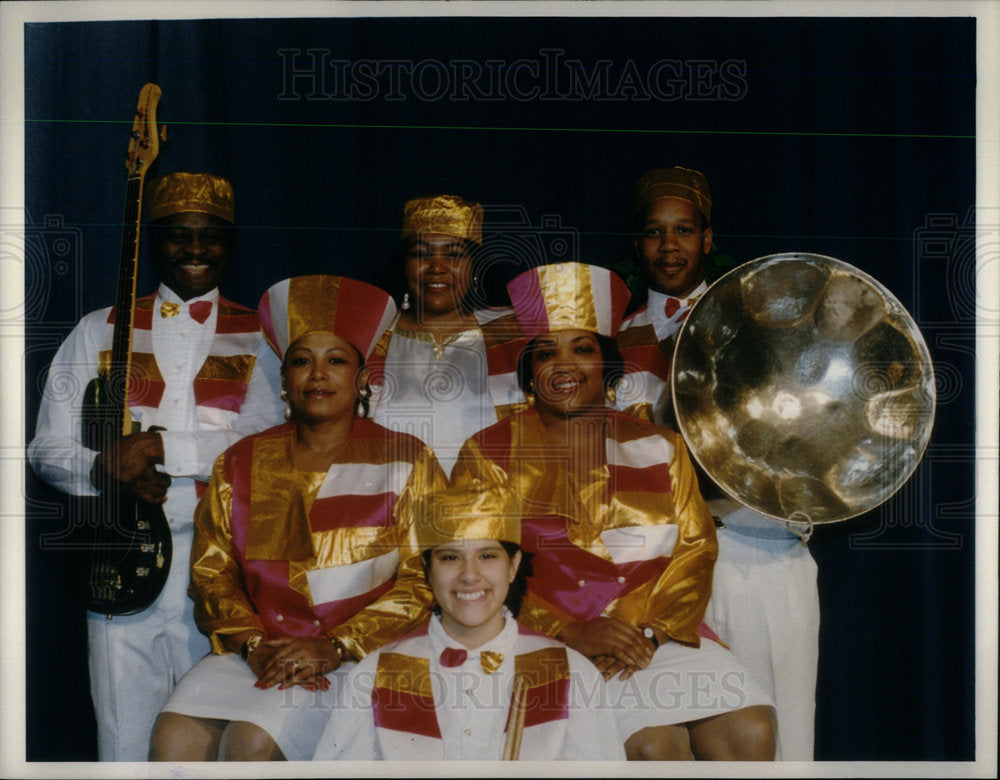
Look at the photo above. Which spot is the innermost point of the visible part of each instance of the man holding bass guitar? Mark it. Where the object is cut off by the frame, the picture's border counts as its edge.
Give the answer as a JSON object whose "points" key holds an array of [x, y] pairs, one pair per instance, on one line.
{"points": [[201, 377]]}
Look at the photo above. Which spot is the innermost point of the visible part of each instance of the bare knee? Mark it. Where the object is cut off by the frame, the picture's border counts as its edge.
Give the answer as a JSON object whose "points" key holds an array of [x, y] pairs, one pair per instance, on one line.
{"points": [[747, 734], [183, 738], [244, 741], [659, 743]]}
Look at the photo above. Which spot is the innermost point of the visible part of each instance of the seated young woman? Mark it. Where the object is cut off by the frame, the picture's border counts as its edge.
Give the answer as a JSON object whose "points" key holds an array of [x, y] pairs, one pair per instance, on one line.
{"points": [[623, 543], [299, 563], [472, 683]]}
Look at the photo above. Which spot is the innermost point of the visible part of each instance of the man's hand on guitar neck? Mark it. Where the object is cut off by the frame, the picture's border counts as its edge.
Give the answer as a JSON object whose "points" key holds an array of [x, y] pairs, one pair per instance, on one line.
{"points": [[131, 461]]}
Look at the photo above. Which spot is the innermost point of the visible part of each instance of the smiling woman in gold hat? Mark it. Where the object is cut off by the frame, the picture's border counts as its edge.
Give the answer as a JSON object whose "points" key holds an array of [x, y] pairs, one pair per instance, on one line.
{"points": [[623, 543], [472, 683], [298, 540], [446, 368]]}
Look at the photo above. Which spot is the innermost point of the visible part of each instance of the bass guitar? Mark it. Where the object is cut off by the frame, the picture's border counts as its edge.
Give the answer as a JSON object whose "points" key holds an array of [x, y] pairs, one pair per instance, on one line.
{"points": [[131, 547]]}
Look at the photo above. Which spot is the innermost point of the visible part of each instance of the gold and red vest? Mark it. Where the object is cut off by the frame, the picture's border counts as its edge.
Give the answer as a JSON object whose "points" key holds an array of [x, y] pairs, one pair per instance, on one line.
{"points": [[220, 385], [405, 716]]}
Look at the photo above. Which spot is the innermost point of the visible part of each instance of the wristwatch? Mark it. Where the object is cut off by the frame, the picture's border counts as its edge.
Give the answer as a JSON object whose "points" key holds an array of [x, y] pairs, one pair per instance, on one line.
{"points": [[650, 634], [339, 647], [250, 645]]}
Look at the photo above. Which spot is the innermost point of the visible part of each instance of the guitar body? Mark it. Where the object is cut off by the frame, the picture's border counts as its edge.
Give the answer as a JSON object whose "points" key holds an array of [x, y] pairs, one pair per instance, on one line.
{"points": [[130, 556], [131, 547]]}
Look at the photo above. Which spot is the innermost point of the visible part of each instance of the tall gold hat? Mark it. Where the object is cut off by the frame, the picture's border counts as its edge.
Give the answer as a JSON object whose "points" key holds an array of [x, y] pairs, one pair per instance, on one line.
{"points": [[203, 193], [447, 214], [355, 311], [568, 296], [677, 182], [473, 511]]}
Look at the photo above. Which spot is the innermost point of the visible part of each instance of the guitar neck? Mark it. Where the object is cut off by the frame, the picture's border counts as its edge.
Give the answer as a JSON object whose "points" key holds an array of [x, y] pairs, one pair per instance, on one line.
{"points": [[128, 267], [143, 150]]}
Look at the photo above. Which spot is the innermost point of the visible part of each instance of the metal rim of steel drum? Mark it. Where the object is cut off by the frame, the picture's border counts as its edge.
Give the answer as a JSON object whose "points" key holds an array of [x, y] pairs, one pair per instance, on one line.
{"points": [[803, 388]]}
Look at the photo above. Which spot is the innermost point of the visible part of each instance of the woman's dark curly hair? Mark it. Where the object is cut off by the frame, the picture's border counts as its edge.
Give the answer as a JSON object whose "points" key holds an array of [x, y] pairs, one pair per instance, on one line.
{"points": [[614, 363], [517, 589]]}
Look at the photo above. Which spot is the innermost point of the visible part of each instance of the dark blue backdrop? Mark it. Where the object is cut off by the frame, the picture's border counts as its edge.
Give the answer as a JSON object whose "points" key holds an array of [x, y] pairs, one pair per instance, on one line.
{"points": [[847, 137]]}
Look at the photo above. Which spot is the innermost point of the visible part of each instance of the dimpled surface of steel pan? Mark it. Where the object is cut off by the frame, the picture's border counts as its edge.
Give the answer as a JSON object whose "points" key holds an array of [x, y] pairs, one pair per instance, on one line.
{"points": [[804, 388]]}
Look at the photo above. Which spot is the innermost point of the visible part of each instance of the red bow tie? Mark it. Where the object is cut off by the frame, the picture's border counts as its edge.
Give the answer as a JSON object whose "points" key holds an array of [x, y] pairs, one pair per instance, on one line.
{"points": [[453, 656], [671, 306], [199, 310]]}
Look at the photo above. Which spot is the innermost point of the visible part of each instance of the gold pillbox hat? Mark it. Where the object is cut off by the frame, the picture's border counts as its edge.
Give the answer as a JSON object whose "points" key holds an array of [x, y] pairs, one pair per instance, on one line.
{"points": [[677, 182], [473, 511], [203, 193], [447, 214]]}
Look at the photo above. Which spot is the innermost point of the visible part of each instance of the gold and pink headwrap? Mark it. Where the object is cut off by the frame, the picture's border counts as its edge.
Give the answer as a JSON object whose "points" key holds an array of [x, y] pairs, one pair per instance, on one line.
{"points": [[203, 193], [471, 511], [355, 311], [677, 182], [568, 296], [447, 214]]}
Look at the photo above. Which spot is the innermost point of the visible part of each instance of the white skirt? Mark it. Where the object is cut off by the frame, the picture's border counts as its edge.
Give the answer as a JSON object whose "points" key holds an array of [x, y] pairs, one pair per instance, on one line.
{"points": [[222, 687], [682, 684]]}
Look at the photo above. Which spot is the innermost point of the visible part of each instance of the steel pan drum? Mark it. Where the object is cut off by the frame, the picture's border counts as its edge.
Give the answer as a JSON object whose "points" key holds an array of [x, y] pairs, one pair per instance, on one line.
{"points": [[803, 388]]}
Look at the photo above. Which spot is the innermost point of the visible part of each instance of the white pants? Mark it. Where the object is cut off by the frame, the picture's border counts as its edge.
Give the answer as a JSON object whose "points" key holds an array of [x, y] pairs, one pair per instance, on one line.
{"points": [[765, 606], [135, 661]]}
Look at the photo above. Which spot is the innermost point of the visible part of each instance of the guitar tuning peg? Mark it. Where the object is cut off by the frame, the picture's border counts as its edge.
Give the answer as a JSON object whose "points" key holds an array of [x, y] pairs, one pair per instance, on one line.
{"points": [[163, 133]]}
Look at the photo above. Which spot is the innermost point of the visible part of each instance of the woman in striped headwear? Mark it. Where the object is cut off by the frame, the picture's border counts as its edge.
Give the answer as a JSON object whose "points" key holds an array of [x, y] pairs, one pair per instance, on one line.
{"points": [[623, 543], [295, 568]]}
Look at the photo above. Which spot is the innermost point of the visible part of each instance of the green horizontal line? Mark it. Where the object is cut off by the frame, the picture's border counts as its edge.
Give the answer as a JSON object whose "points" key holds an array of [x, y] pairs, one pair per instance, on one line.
{"points": [[662, 131]]}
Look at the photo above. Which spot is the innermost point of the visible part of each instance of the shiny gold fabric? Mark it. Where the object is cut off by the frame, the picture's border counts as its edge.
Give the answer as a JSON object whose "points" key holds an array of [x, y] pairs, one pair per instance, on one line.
{"points": [[675, 602], [490, 660], [278, 529], [312, 305], [404, 673], [543, 666], [472, 511], [677, 182], [176, 193], [169, 309], [569, 296], [236, 368], [447, 214]]}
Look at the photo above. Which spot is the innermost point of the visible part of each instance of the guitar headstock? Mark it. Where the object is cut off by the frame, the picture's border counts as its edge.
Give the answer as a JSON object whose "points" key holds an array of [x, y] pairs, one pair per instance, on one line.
{"points": [[144, 144]]}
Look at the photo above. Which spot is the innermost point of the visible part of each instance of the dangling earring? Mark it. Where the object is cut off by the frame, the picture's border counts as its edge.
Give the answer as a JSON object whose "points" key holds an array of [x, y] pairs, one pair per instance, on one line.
{"points": [[530, 395], [288, 406], [610, 394], [405, 304], [361, 408]]}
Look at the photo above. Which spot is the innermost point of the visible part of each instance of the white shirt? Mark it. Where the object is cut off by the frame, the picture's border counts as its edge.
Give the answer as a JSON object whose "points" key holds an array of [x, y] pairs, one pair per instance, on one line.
{"points": [[180, 345], [436, 392], [663, 325], [471, 706]]}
